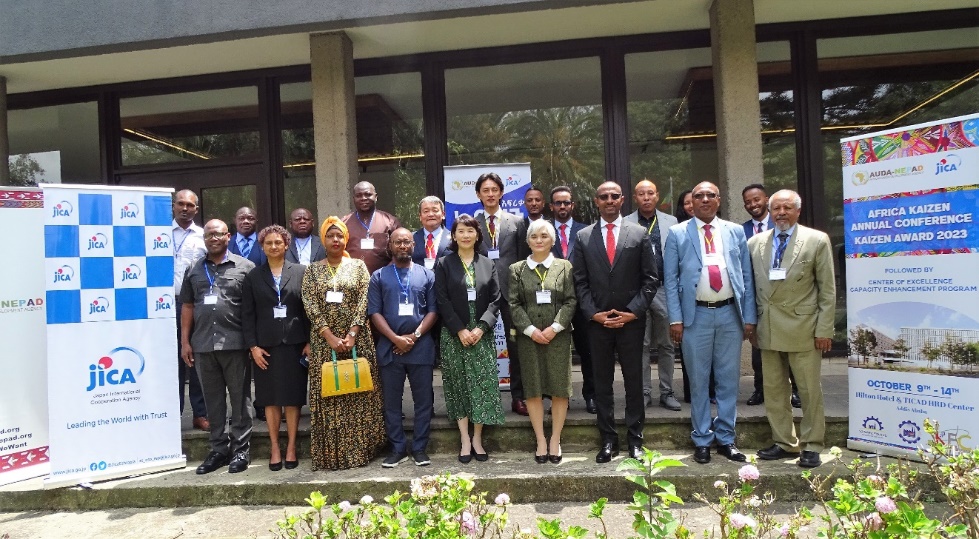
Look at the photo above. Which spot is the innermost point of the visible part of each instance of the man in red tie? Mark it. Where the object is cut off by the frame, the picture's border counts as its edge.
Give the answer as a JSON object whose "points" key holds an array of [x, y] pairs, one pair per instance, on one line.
{"points": [[710, 299], [432, 239], [616, 279]]}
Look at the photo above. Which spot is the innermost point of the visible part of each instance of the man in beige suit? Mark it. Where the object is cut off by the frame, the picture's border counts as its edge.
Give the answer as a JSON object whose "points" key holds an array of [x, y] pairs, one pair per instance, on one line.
{"points": [[796, 296]]}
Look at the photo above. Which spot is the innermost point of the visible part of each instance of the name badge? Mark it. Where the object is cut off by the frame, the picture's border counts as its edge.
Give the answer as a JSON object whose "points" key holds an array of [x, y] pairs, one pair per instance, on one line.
{"points": [[776, 274], [210, 299], [334, 297], [367, 244], [494, 254], [406, 309], [471, 294], [429, 263], [279, 311], [543, 296]]}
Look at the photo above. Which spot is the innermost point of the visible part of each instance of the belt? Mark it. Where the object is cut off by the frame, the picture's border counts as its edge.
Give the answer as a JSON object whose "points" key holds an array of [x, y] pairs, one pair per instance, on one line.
{"points": [[715, 304]]}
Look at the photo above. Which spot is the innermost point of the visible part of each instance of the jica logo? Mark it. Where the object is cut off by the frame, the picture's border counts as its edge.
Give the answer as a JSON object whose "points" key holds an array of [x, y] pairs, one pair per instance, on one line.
{"points": [[162, 241], [131, 273], [950, 163], [121, 366], [97, 241], [99, 306], [64, 274], [164, 303], [63, 209], [129, 211]]}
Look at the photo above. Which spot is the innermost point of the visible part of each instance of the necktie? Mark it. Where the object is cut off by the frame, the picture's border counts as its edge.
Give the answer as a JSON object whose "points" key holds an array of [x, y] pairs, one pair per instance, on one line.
{"points": [[246, 247], [430, 246], [610, 243], [757, 228], [564, 240], [780, 249], [713, 271], [492, 230]]}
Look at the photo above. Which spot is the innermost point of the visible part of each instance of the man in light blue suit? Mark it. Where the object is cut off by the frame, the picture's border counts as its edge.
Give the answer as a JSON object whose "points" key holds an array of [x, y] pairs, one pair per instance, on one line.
{"points": [[710, 298]]}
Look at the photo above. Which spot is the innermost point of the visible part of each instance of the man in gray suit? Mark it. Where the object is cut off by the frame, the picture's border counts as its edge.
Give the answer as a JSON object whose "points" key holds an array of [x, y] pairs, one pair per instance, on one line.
{"points": [[657, 224], [503, 235]]}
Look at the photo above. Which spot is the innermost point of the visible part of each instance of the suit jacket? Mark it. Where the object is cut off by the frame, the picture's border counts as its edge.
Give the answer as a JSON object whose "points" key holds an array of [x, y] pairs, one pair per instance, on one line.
{"points": [[572, 238], [258, 325], [663, 221], [510, 235], [257, 255], [749, 226], [316, 250], [682, 266], [450, 292], [791, 313], [628, 284], [421, 236]]}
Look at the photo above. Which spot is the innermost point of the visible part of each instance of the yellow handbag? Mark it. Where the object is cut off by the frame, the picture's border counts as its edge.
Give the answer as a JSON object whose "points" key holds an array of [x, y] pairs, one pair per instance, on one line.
{"points": [[346, 375]]}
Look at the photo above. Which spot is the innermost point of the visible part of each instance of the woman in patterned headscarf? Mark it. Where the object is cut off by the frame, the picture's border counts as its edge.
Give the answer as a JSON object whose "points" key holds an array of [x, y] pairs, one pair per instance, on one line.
{"points": [[345, 430]]}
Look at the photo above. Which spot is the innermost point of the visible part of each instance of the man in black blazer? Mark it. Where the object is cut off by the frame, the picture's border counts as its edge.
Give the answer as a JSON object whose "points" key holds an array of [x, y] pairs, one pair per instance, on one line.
{"points": [[305, 247], [245, 241], [616, 278], [432, 239], [562, 207]]}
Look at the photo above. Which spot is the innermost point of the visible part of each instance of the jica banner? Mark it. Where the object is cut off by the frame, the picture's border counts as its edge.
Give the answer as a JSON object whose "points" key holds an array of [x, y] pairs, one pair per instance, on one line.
{"points": [[910, 211], [111, 331]]}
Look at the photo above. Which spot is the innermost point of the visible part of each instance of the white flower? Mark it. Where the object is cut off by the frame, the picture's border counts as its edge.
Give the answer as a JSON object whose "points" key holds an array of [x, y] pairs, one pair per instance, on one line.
{"points": [[366, 499], [835, 451], [740, 521], [783, 531], [502, 499], [754, 501], [720, 484], [344, 506]]}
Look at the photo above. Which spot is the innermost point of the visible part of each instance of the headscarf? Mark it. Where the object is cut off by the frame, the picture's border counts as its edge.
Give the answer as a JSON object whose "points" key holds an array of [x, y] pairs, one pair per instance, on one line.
{"points": [[334, 221]]}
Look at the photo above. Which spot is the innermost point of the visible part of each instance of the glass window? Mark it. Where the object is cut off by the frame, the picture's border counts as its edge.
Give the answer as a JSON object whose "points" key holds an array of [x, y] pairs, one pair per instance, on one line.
{"points": [[190, 126], [546, 113], [777, 116], [223, 202], [57, 144], [298, 158]]}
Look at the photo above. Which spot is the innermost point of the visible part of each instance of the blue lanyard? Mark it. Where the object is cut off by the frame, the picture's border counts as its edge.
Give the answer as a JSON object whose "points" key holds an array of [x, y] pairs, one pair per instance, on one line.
{"points": [[278, 293], [210, 278], [181, 244], [367, 225], [301, 247], [406, 285]]}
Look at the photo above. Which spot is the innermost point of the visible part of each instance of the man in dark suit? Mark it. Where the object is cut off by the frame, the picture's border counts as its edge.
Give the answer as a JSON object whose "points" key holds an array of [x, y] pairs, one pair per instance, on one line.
{"points": [[245, 241], [432, 239], [305, 247], [615, 278], [710, 298], [562, 208], [503, 235], [756, 204]]}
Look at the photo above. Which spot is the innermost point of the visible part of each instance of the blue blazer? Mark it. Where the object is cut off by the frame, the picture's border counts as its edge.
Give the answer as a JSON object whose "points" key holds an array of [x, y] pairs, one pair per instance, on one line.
{"points": [[420, 237], [257, 255], [682, 266], [749, 226]]}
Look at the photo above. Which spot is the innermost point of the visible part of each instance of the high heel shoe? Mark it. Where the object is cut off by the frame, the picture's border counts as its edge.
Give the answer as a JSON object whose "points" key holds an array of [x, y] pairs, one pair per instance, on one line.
{"points": [[481, 457], [292, 464], [556, 459], [466, 459], [540, 459], [277, 466]]}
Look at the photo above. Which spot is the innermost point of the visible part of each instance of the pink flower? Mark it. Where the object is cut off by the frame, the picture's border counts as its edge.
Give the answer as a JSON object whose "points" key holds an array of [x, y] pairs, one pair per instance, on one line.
{"points": [[885, 505], [502, 499], [740, 521], [469, 523], [783, 531], [748, 472], [873, 522]]}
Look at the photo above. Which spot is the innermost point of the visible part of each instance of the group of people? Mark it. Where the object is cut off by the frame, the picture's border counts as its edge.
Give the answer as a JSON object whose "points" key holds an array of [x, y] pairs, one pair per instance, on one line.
{"points": [[623, 289]]}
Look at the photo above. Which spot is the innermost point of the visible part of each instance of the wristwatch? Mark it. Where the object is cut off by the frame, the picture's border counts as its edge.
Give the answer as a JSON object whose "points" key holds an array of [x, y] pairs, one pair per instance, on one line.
{"points": [[352, 334], [417, 334]]}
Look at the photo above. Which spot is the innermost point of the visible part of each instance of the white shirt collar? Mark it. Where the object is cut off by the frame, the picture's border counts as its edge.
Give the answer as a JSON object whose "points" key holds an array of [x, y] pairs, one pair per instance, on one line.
{"points": [[617, 222], [546, 263], [700, 224], [569, 222]]}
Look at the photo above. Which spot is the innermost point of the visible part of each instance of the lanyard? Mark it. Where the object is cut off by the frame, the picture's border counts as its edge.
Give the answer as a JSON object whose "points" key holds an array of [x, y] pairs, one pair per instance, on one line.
{"points": [[367, 225], [300, 247], [278, 292], [542, 277], [470, 275], [210, 278], [405, 286], [651, 225], [333, 273], [492, 233], [187, 234]]}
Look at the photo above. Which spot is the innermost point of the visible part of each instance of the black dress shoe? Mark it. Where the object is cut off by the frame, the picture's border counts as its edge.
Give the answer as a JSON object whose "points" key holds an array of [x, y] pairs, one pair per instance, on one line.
{"points": [[732, 453], [756, 398], [606, 453], [519, 407], [239, 462], [775, 452], [796, 401], [292, 464], [213, 461], [809, 459], [540, 459], [590, 406], [701, 454], [556, 459], [480, 457], [635, 451], [275, 467], [466, 459]]}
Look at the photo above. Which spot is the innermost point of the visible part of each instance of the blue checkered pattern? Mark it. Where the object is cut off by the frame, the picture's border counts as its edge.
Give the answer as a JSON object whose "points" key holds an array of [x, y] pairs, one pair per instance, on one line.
{"points": [[108, 256]]}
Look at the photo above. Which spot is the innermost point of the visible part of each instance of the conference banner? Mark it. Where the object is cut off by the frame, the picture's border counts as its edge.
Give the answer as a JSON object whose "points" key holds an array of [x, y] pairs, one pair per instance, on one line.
{"points": [[23, 387], [111, 333], [910, 211], [460, 198]]}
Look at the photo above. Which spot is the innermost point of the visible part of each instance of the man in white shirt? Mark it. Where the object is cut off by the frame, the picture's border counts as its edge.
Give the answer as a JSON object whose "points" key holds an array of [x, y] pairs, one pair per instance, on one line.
{"points": [[188, 248], [305, 247], [432, 239]]}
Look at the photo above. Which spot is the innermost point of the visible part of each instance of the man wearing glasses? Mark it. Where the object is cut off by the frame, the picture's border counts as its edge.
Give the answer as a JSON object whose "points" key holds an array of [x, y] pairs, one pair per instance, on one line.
{"points": [[615, 279], [710, 298]]}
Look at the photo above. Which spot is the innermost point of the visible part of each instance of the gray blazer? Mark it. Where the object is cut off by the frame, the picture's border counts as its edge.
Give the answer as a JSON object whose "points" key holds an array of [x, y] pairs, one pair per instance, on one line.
{"points": [[663, 221], [510, 235]]}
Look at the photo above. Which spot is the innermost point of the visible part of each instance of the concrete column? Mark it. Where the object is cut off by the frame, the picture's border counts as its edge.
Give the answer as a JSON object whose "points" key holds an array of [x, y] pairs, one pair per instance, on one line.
{"points": [[4, 136], [738, 114], [334, 122]]}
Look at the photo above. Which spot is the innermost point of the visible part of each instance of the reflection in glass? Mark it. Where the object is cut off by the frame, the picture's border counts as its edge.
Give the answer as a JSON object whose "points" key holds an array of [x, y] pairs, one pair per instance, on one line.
{"points": [[56, 144], [190, 126], [222, 202]]}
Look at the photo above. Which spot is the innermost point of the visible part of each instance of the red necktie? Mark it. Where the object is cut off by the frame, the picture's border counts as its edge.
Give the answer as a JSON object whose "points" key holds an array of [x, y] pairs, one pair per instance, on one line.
{"points": [[610, 243], [713, 271], [564, 240], [492, 230], [430, 246]]}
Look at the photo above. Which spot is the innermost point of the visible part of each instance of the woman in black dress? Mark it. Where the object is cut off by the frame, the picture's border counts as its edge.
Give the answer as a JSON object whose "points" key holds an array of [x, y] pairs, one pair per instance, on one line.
{"points": [[276, 332]]}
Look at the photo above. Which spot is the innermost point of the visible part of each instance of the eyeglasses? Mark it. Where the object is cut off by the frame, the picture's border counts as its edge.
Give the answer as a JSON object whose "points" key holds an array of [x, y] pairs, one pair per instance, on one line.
{"points": [[212, 235], [708, 196], [613, 196], [560, 203]]}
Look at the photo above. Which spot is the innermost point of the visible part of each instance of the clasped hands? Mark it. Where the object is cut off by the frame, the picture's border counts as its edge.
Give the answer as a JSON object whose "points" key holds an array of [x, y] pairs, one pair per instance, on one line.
{"points": [[468, 337], [403, 344], [543, 336], [340, 345], [614, 318]]}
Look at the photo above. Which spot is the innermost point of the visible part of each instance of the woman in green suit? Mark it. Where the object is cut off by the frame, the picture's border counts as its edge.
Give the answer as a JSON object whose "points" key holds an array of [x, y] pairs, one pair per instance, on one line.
{"points": [[542, 301]]}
